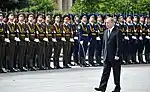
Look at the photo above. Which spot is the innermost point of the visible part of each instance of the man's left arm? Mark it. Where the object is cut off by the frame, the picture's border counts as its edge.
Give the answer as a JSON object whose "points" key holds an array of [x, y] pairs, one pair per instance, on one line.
{"points": [[118, 43]]}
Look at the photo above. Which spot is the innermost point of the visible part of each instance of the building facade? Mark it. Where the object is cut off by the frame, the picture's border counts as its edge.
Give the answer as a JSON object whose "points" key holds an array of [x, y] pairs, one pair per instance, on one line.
{"points": [[64, 5]]}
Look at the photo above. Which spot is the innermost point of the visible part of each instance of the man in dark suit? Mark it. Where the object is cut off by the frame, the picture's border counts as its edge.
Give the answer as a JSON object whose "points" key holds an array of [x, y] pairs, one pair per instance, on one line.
{"points": [[111, 55]]}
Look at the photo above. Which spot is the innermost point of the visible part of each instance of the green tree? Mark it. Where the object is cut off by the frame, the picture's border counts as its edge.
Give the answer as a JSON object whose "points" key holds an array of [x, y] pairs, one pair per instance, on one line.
{"points": [[111, 6], [40, 6], [85, 6]]}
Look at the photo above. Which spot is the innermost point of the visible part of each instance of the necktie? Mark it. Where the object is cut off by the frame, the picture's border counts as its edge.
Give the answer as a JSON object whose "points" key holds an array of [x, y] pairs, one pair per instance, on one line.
{"points": [[108, 33]]}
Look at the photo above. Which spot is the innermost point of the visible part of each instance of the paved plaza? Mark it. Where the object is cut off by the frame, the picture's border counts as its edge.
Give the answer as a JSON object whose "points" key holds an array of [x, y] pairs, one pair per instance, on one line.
{"points": [[135, 78]]}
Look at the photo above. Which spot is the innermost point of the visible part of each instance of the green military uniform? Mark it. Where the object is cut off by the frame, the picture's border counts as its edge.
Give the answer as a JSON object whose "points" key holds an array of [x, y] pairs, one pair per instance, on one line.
{"points": [[49, 45], [30, 27], [58, 33], [2, 47]]}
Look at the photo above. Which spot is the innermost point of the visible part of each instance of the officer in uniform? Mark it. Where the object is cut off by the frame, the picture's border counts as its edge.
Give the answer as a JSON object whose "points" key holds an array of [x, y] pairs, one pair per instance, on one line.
{"points": [[50, 44], [134, 40], [58, 33], [93, 37], [130, 29], [68, 36], [147, 39], [71, 24], [76, 43], [22, 46], [11, 33], [100, 28], [40, 33], [122, 26], [83, 39], [2, 48], [30, 28], [142, 34]]}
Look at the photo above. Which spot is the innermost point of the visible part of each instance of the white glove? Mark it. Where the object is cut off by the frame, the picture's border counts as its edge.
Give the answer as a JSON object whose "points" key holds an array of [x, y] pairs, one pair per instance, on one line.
{"points": [[98, 38], [88, 43], [53, 32], [63, 39], [71, 40], [63, 32], [27, 31], [133, 37], [17, 30], [140, 38], [37, 32], [36, 40], [81, 42], [7, 31], [76, 38], [46, 32], [7, 40], [17, 39], [27, 39], [147, 37], [45, 39], [54, 40], [126, 37], [116, 58]]}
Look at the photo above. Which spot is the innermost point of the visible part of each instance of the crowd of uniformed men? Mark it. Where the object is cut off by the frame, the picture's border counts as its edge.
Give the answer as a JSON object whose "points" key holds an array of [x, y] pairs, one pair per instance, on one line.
{"points": [[28, 41]]}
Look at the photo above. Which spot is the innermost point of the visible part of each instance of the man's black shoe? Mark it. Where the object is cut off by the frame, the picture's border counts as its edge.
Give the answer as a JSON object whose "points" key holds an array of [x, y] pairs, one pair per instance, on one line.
{"points": [[99, 89], [23, 69], [3, 70], [13, 70]]}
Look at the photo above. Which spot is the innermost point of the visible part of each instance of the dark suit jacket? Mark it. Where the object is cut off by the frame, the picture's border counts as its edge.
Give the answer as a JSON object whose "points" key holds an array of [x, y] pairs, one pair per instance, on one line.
{"points": [[112, 45]]}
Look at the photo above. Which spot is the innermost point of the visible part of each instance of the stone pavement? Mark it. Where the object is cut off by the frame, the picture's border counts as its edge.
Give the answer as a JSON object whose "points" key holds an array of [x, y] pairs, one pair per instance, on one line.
{"points": [[135, 78]]}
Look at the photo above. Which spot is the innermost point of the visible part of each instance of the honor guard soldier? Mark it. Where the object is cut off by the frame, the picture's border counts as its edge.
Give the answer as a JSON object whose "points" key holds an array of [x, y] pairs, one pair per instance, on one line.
{"points": [[11, 33], [40, 33], [130, 29], [83, 39], [123, 27], [76, 42], [71, 24], [141, 38], [30, 28], [58, 33], [147, 39], [50, 44], [100, 29], [92, 38], [22, 42], [2, 42], [68, 40], [134, 40]]}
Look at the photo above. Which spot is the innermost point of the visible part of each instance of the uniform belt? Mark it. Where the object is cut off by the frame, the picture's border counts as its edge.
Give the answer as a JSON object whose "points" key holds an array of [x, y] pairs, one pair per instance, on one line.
{"points": [[41, 34], [22, 35], [2, 35], [101, 33], [94, 34], [32, 34], [12, 35], [143, 33], [135, 33], [67, 34], [49, 34], [84, 34], [58, 34]]}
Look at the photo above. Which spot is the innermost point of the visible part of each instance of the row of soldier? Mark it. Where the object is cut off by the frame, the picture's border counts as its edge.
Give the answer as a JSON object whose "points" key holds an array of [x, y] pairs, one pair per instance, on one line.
{"points": [[28, 41]]}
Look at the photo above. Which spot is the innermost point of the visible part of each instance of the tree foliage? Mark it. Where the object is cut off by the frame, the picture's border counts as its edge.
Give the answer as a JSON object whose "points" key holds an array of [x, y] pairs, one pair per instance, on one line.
{"points": [[40, 5], [111, 6]]}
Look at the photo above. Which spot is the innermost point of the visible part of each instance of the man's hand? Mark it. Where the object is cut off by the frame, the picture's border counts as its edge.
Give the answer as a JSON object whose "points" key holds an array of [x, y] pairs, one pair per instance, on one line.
{"points": [[116, 58], [81, 42]]}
